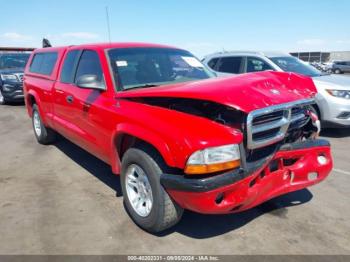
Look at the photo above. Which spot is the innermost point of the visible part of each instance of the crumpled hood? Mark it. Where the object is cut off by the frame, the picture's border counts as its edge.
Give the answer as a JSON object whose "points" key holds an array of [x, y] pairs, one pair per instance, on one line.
{"points": [[332, 82], [245, 92]]}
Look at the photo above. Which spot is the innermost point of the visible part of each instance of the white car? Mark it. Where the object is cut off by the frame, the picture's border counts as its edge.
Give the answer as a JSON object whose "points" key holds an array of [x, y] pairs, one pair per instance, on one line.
{"points": [[333, 98]]}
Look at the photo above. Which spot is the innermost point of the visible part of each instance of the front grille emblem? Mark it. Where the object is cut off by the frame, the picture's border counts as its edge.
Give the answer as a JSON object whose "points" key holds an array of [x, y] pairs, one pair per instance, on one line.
{"points": [[275, 91]]}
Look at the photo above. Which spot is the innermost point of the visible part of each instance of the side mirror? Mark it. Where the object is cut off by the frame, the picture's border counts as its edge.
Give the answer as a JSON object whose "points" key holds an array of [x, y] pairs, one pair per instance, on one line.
{"points": [[90, 82]]}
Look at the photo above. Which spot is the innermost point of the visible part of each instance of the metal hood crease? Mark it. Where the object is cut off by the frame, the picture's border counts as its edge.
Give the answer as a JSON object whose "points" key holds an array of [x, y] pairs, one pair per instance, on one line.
{"points": [[259, 90]]}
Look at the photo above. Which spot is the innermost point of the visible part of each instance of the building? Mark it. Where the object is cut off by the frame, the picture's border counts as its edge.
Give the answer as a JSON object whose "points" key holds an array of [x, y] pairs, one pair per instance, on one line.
{"points": [[16, 49], [322, 56]]}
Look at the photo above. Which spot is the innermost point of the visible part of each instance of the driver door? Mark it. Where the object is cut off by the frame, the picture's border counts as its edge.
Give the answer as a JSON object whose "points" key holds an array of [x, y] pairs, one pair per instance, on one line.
{"points": [[81, 109]]}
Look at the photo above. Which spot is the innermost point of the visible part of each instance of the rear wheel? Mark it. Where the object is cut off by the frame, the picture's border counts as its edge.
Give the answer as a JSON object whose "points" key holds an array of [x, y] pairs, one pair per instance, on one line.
{"points": [[146, 201], [43, 134], [2, 98]]}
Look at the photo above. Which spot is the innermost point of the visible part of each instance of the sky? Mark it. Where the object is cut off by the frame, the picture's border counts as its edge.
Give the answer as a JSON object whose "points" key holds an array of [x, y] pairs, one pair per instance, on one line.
{"points": [[201, 26]]}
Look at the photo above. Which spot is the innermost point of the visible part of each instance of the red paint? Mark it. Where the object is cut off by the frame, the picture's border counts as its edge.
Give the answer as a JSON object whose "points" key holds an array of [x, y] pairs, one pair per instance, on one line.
{"points": [[96, 126], [241, 196]]}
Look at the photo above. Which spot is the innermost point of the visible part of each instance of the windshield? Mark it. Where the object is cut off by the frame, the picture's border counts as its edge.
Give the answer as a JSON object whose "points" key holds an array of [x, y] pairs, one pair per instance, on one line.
{"points": [[293, 64], [13, 60], [147, 67]]}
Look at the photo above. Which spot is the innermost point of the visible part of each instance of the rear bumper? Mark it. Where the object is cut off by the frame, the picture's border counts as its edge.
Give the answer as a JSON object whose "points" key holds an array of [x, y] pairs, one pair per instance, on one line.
{"points": [[239, 190]]}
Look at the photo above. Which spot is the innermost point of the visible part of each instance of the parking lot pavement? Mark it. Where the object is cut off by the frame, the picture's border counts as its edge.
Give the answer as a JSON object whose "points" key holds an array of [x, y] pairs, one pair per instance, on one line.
{"points": [[58, 199]]}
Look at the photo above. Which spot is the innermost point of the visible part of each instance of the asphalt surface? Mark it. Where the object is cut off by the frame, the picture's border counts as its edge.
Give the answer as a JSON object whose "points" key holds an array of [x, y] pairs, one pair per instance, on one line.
{"points": [[58, 199]]}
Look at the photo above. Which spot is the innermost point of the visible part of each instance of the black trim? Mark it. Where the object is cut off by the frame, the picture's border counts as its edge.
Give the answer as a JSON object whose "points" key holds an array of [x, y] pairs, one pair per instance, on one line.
{"points": [[304, 145], [328, 124], [182, 183]]}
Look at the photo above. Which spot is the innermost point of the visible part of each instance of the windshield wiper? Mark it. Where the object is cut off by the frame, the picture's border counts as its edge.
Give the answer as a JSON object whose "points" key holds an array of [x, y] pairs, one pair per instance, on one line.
{"points": [[140, 86]]}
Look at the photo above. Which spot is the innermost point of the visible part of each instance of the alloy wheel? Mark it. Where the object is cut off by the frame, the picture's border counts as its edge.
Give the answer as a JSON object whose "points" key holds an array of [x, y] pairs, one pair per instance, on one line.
{"points": [[139, 190], [37, 123]]}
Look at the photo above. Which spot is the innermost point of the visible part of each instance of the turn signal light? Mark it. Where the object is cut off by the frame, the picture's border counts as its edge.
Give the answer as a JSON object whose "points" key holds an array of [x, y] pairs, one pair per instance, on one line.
{"points": [[211, 168]]}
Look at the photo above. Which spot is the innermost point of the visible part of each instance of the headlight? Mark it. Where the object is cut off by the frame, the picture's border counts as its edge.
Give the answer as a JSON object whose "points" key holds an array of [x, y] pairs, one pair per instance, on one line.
{"points": [[339, 93], [213, 159], [8, 77]]}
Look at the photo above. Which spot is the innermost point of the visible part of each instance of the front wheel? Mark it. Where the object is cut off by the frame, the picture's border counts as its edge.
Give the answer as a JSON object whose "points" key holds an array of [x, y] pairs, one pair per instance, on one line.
{"points": [[146, 201], [337, 71], [43, 134]]}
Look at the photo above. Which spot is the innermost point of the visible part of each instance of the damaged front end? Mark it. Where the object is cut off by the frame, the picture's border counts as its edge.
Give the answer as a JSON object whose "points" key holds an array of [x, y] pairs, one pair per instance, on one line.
{"points": [[280, 153]]}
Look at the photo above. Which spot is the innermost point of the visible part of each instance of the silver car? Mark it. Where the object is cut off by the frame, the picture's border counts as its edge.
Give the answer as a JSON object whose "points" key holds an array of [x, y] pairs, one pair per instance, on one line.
{"points": [[340, 67], [333, 98]]}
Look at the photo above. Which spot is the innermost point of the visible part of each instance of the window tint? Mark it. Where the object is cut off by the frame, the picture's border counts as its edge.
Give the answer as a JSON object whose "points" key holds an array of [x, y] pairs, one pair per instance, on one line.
{"points": [[230, 65], [43, 63], [89, 64], [13, 60], [341, 63], [213, 62], [255, 64], [67, 73]]}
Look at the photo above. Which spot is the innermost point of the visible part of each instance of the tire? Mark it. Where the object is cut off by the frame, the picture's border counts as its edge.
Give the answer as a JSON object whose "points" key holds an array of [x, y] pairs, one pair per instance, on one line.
{"points": [[337, 71], [316, 111], [43, 134], [164, 212], [2, 98]]}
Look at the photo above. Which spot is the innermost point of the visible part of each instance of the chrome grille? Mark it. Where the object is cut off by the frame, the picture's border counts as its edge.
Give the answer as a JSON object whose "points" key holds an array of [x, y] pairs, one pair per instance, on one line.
{"points": [[20, 77], [270, 125]]}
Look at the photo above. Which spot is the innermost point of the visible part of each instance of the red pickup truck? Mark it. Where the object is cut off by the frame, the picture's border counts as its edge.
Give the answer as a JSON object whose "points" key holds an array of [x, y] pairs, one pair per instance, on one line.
{"points": [[179, 137]]}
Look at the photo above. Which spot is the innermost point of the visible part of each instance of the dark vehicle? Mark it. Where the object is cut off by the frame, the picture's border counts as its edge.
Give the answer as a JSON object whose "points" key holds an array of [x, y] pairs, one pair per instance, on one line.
{"points": [[340, 67], [11, 76]]}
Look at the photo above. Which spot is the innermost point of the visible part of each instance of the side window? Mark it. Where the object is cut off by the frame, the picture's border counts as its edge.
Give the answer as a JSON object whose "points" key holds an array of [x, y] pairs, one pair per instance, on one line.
{"points": [[48, 63], [89, 64], [43, 63], [36, 63], [230, 64], [255, 64], [213, 62], [67, 73]]}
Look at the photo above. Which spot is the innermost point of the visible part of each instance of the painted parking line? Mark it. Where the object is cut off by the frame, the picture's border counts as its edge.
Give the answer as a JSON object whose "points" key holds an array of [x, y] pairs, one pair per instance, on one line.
{"points": [[341, 171]]}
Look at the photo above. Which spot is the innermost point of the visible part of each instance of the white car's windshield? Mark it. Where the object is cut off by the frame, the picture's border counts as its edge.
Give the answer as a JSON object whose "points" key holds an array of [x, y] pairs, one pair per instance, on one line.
{"points": [[147, 67], [293, 64]]}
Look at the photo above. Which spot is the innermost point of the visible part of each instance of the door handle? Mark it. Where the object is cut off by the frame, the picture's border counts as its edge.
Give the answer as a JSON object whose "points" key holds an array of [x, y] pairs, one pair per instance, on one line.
{"points": [[70, 99]]}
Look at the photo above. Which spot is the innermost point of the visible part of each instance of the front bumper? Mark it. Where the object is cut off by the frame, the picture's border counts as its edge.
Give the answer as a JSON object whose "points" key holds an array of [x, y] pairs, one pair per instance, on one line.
{"points": [[13, 92], [240, 189]]}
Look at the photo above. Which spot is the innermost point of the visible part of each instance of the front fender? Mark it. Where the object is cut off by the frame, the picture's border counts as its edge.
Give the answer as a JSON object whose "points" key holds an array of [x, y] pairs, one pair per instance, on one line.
{"points": [[142, 134], [176, 135]]}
